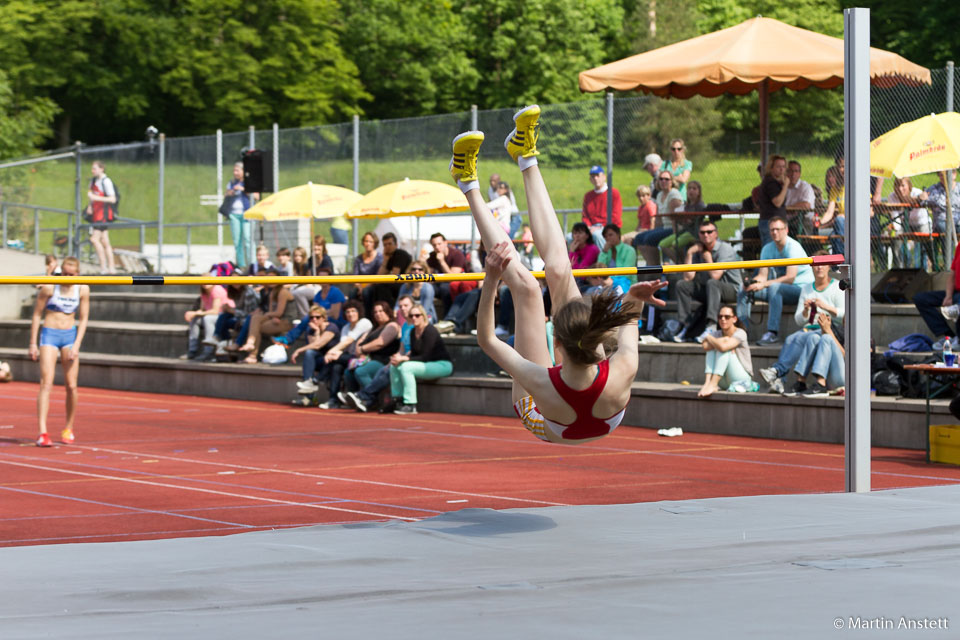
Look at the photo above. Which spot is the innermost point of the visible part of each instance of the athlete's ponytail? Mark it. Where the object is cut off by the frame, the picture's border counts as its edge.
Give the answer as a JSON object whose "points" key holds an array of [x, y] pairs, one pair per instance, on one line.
{"points": [[582, 325]]}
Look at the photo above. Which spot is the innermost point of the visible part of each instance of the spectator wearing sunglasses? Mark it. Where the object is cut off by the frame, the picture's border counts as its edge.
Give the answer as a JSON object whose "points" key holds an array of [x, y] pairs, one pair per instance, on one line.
{"points": [[728, 354], [427, 359], [422, 293], [710, 288]]}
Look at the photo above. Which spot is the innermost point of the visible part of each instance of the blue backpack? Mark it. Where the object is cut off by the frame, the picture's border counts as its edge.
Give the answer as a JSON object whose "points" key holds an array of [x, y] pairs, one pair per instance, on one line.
{"points": [[910, 343]]}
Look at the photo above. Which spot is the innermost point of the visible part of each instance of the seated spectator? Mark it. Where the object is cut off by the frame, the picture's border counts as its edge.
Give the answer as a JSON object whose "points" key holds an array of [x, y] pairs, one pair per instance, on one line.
{"points": [[823, 295], [369, 261], [800, 200], [668, 200], [917, 220], [928, 303], [594, 208], [330, 298], [653, 164], [526, 249], [728, 354], [284, 262], [368, 397], [337, 359], [616, 253], [395, 262], [828, 368], [777, 285], [281, 311], [708, 288], [684, 228], [583, 251], [302, 293], [245, 301], [833, 220], [502, 207], [373, 350], [493, 192], [771, 196], [596, 284], [258, 266], [422, 293], [305, 293], [934, 198], [203, 320], [427, 359], [6, 375], [646, 212], [321, 335]]}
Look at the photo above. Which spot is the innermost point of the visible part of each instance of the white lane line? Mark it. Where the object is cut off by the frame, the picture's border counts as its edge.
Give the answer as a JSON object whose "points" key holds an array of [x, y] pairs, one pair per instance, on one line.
{"points": [[209, 491], [317, 476]]}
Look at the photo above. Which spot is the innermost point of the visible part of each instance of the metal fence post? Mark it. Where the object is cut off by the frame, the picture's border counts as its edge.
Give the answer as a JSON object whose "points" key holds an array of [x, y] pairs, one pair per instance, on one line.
{"points": [[77, 202], [610, 157], [3, 211], [189, 229], [276, 157], [950, 85], [36, 230], [473, 118], [252, 137], [219, 192], [162, 143], [143, 236], [355, 227]]}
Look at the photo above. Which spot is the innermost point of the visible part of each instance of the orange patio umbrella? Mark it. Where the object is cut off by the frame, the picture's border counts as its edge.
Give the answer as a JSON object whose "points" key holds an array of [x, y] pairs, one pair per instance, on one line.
{"points": [[760, 54]]}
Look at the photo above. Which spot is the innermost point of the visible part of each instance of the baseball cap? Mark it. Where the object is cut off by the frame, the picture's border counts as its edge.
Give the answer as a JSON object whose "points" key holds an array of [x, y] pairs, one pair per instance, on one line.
{"points": [[595, 169], [654, 159]]}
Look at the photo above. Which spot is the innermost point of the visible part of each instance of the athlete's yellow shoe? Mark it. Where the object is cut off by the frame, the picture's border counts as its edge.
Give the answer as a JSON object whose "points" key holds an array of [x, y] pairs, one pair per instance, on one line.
{"points": [[466, 146], [522, 141], [66, 436]]}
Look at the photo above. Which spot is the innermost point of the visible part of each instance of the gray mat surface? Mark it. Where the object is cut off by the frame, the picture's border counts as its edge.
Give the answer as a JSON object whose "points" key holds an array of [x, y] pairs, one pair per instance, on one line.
{"points": [[753, 567]]}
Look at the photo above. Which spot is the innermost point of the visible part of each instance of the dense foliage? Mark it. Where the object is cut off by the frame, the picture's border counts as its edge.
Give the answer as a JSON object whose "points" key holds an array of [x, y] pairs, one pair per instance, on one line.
{"points": [[102, 71]]}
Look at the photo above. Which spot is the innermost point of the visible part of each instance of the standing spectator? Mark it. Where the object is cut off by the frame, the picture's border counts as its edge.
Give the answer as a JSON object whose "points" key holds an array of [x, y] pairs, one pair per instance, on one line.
{"points": [[678, 166], [213, 298], [653, 164], [728, 354], [100, 212], [833, 219], [236, 200], [778, 285], [58, 308], [337, 359], [800, 196], [929, 303], [646, 212], [707, 287], [772, 195], [616, 253], [340, 230], [934, 198], [595, 204], [493, 192], [395, 262], [427, 359], [284, 263], [502, 209], [447, 259], [668, 201], [420, 292]]}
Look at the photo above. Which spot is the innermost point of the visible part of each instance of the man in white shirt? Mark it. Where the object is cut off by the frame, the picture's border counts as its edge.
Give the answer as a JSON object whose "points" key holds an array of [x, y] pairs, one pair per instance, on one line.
{"points": [[799, 193]]}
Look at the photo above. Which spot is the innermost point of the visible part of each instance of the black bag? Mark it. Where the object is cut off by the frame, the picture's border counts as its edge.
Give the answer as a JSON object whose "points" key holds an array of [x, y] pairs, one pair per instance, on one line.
{"points": [[886, 383], [911, 382], [226, 206]]}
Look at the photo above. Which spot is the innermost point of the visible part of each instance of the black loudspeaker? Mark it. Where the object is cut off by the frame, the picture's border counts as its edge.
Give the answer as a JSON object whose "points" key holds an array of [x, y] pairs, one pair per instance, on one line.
{"points": [[257, 171], [898, 286]]}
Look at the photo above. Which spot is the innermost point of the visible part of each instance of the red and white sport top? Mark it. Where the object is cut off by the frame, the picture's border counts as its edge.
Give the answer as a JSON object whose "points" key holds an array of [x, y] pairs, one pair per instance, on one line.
{"points": [[586, 425]]}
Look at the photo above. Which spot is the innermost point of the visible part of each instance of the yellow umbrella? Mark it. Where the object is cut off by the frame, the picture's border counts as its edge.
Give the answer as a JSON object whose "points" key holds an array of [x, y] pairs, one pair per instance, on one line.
{"points": [[409, 198], [927, 145], [306, 201]]}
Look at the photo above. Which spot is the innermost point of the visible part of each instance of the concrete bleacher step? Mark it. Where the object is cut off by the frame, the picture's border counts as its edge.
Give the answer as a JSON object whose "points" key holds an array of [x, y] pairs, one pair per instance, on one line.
{"points": [[896, 422], [115, 338], [136, 307]]}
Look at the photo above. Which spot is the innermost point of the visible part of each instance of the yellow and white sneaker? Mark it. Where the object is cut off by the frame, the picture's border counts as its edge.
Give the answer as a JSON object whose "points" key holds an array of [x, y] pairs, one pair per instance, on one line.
{"points": [[522, 141], [66, 436], [466, 146]]}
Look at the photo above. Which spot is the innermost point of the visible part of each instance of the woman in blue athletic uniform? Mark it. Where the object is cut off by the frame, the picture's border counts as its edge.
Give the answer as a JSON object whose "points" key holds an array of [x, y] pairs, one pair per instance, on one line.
{"points": [[58, 309]]}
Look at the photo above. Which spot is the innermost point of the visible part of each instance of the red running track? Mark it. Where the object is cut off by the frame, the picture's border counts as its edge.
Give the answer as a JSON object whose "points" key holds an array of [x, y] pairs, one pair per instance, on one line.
{"points": [[159, 466]]}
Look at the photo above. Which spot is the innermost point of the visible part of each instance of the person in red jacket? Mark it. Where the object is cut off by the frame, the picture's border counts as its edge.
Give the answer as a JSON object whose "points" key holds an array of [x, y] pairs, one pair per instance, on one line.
{"points": [[595, 205]]}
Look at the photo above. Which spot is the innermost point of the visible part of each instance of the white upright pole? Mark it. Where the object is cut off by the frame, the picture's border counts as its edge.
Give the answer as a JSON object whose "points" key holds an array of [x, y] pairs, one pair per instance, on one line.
{"points": [[856, 95], [220, 192]]}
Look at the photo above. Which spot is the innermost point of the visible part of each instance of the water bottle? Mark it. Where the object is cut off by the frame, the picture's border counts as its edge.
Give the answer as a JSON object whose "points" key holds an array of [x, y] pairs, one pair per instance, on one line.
{"points": [[949, 358]]}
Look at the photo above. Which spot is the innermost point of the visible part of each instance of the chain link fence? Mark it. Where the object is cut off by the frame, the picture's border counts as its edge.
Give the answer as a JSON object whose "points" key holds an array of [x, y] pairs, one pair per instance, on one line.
{"points": [[40, 200]]}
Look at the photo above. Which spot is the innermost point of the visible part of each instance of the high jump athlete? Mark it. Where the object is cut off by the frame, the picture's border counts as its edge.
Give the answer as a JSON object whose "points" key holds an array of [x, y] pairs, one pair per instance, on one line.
{"points": [[585, 397], [60, 336]]}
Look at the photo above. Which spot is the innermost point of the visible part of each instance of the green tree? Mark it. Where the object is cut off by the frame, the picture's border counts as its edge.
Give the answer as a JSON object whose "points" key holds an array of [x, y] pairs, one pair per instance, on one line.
{"points": [[924, 33], [531, 50], [413, 56]]}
